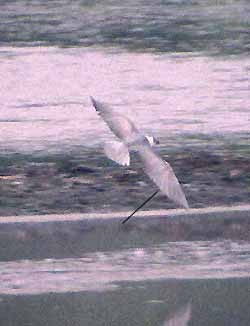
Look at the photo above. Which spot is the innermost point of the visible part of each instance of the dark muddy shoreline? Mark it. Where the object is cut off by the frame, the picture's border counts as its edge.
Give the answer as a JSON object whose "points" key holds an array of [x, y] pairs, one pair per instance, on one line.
{"points": [[213, 172]]}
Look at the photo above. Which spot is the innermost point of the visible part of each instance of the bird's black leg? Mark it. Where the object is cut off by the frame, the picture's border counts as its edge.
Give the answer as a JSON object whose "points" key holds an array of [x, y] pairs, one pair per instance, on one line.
{"points": [[137, 209]]}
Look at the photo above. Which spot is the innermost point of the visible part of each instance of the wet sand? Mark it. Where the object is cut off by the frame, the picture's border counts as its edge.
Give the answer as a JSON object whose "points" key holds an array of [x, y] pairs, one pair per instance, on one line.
{"points": [[213, 172]]}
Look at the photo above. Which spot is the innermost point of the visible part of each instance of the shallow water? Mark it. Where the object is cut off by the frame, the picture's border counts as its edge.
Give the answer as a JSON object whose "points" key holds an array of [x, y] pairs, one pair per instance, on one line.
{"points": [[189, 283], [168, 82], [45, 95], [209, 302], [105, 270], [214, 27], [178, 69]]}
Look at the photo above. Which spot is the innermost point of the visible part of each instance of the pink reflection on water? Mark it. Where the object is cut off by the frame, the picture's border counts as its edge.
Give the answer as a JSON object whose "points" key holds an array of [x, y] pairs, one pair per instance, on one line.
{"points": [[45, 94]]}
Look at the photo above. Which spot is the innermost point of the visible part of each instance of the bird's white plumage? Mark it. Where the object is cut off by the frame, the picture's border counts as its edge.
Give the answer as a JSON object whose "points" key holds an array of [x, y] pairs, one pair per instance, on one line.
{"points": [[158, 170], [181, 317], [118, 152], [162, 174], [120, 125]]}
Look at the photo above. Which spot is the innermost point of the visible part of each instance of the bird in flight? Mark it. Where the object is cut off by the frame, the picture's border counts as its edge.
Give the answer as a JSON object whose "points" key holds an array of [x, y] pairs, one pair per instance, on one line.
{"points": [[129, 137]]}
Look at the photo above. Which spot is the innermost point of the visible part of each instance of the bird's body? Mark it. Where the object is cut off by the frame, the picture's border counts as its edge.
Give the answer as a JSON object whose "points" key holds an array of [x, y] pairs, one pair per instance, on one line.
{"points": [[129, 137]]}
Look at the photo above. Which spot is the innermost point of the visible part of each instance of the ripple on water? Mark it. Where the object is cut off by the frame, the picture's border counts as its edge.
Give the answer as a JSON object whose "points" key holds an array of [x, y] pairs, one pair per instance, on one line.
{"points": [[101, 271], [56, 109]]}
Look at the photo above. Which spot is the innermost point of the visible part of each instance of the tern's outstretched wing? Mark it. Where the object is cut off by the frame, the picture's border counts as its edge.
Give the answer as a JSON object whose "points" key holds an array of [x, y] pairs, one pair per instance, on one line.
{"points": [[181, 317], [162, 174], [118, 152], [120, 125]]}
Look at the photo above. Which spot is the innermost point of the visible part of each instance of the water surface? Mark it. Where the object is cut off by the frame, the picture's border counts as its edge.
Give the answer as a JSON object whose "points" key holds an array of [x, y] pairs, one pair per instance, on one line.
{"points": [[204, 282], [215, 27], [180, 70], [105, 270], [45, 95]]}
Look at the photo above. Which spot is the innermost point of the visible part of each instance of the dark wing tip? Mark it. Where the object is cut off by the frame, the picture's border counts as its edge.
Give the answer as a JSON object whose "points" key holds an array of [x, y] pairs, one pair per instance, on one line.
{"points": [[92, 100], [95, 103]]}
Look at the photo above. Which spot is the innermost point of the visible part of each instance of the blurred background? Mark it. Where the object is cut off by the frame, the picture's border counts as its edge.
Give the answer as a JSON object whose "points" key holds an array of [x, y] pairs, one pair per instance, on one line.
{"points": [[180, 69]]}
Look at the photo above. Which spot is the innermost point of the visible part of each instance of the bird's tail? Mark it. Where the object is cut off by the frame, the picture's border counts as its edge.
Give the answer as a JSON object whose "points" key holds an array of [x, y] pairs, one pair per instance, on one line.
{"points": [[118, 152]]}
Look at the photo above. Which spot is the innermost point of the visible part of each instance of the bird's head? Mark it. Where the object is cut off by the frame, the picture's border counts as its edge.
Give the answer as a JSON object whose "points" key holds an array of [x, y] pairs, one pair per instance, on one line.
{"points": [[152, 140]]}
